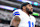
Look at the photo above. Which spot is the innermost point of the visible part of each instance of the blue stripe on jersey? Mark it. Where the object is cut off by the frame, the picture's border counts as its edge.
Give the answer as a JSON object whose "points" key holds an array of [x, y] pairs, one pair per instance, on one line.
{"points": [[32, 24], [16, 13], [29, 24]]}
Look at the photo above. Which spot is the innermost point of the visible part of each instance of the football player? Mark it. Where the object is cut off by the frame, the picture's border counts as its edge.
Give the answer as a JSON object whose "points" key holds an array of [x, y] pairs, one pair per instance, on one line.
{"points": [[23, 17]]}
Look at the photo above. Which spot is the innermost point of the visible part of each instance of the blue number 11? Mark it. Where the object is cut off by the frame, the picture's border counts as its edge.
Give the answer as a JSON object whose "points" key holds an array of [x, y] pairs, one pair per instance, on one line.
{"points": [[30, 24]]}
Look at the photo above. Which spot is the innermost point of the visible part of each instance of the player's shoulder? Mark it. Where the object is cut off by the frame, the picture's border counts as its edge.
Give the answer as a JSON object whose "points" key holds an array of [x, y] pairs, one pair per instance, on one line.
{"points": [[16, 12], [33, 17]]}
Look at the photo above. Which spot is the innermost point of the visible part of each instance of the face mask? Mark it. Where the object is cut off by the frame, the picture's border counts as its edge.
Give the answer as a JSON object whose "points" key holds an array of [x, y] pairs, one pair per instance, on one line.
{"points": [[29, 11]]}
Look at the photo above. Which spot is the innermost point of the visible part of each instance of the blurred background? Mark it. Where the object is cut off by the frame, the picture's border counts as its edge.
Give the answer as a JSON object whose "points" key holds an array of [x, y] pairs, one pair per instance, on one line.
{"points": [[8, 6]]}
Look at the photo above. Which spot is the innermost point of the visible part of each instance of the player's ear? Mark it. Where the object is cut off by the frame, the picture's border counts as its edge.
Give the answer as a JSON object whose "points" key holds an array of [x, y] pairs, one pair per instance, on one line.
{"points": [[24, 7]]}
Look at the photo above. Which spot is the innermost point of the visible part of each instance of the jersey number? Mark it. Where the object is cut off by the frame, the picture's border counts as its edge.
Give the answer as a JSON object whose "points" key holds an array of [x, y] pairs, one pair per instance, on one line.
{"points": [[30, 24]]}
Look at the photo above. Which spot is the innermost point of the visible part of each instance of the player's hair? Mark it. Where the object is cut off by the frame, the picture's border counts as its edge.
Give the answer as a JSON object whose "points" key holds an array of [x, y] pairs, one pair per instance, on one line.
{"points": [[24, 4]]}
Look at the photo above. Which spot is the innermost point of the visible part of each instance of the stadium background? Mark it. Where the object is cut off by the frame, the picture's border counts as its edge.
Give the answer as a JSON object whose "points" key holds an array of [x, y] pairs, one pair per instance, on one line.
{"points": [[8, 6]]}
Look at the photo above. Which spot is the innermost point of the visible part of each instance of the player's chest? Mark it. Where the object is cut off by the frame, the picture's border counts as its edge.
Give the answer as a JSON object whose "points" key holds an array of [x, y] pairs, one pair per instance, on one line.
{"points": [[27, 18]]}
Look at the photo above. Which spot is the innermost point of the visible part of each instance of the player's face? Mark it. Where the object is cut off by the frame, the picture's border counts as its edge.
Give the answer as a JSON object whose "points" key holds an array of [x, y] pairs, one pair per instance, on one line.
{"points": [[29, 8]]}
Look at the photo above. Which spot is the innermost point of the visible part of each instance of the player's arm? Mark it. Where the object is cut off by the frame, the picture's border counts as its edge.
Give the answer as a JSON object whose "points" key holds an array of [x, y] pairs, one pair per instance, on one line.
{"points": [[15, 22]]}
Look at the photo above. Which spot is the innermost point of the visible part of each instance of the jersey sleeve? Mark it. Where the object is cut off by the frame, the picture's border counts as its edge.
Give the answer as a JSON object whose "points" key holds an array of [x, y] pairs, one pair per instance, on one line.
{"points": [[16, 13]]}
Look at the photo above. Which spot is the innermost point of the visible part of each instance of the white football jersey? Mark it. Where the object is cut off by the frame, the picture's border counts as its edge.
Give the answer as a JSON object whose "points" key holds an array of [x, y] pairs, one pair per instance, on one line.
{"points": [[26, 21]]}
